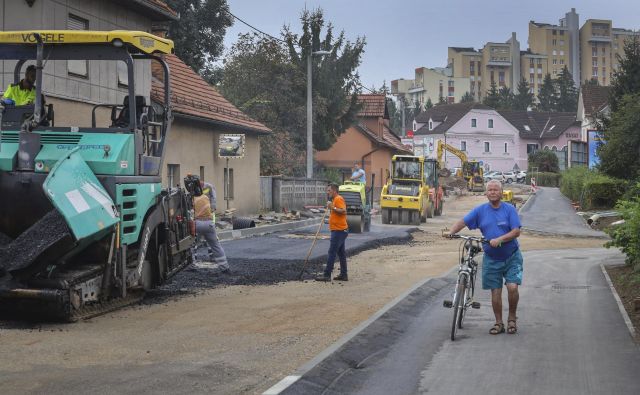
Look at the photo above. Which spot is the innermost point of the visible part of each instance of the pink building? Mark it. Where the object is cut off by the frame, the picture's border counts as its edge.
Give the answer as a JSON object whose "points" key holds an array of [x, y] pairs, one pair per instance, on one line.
{"points": [[501, 140]]}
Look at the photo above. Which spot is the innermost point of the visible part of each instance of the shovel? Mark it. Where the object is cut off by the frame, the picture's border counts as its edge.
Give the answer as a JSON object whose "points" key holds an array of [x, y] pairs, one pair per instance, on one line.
{"points": [[306, 260]]}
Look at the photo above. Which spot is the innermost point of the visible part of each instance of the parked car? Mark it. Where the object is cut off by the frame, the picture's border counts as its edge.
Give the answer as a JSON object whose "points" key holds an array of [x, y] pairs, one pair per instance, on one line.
{"points": [[510, 177], [494, 175], [521, 176]]}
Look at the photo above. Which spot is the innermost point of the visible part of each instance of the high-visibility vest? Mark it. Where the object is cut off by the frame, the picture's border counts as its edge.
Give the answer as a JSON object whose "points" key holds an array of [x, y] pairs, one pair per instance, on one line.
{"points": [[20, 96]]}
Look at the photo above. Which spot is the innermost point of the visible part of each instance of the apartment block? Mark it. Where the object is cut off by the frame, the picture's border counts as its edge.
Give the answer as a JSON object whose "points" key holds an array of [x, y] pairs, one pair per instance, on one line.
{"points": [[467, 63], [431, 84], [560, 43], [534, 67], [502, 64]]}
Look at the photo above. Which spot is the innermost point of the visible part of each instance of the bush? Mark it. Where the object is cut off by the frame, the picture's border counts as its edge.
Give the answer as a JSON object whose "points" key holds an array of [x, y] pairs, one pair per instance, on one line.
{"points": [[544, 179], [602, 191], [332, 175], [572, 182], [627, 235], [544, 160]]}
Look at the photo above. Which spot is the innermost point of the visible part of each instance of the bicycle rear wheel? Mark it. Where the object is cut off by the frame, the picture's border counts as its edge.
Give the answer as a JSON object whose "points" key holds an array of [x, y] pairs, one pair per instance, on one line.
{"points": [[458, 305]]}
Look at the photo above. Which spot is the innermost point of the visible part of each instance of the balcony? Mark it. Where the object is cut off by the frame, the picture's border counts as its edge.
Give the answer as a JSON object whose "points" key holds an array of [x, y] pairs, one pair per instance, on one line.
{"points": [[415, 88]]}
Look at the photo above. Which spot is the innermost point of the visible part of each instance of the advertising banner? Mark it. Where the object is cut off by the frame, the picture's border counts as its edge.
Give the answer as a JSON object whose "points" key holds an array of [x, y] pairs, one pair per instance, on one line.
{"points": [[594, 140], [231, 146]]}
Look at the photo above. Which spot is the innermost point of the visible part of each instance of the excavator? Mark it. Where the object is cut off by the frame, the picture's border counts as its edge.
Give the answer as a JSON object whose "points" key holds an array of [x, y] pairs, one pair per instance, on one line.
{"points": [[85, 224], [471, 170]]}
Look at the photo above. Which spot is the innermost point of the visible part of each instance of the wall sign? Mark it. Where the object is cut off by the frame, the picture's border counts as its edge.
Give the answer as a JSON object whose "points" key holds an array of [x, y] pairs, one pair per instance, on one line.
{"points": [[231, 146]]}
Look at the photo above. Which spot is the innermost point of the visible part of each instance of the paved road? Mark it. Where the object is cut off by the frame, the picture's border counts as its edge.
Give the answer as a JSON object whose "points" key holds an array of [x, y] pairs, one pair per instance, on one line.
{"points": [[571, 340], [551, 212]]}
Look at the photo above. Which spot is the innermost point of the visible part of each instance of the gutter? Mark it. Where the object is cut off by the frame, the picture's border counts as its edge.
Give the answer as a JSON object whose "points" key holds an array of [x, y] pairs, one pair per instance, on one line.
{"points": [[221, 123]]}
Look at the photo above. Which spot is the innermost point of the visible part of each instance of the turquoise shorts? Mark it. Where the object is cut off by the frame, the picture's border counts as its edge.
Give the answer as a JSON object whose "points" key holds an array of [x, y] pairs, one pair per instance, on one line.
{"points": [[494, 271]]}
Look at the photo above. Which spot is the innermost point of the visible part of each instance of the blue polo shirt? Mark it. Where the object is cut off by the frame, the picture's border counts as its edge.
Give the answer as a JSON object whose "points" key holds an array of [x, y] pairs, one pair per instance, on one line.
{"points": [[493, 223]]}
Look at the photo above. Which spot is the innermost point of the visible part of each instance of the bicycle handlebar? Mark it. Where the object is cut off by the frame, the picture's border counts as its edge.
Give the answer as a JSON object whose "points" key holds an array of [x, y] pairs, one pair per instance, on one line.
{"points": [[472, 238]]}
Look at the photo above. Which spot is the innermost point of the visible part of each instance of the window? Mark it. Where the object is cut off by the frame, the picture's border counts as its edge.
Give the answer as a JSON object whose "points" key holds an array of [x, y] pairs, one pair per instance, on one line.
{"points": [[463, 146], [539, 70], [555, 52], [173, 175], [487, 146], [604, 50], [506, 150], [78, 68], [430, 125], [539, 62], [479, 67], [531, 78], [594, 62], [471, 67], [531, 70], [561, 42], [561, 53], [594, 51], [554, 42], [604, 61], [531, 148], [474, 122], [554, 32], [562, 32], [490, 124], [555, 61], [228, 182], [501, 77], [492, 77], [595, 72], [561, 61]]}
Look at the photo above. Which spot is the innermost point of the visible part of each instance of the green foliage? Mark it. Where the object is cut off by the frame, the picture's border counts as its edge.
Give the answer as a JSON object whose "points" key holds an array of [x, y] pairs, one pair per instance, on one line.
{"points": [[544, 160], [335, 176], [572, 182], [428, 104], [592, 82], [395, 117], [567, 93], [523, 99], [416, 109], [505, 99], [466, 98], [619, 155], [591, 188], [335, 78], [626, 78], [492, 99], [199, 34], [544, 179], [547, 97], [627, 235], [601, 191]]}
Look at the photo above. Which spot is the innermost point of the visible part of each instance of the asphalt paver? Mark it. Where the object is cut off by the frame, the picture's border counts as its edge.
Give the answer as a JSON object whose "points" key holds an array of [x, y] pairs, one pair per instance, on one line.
{"points": [[550, 212], [571, 339]]}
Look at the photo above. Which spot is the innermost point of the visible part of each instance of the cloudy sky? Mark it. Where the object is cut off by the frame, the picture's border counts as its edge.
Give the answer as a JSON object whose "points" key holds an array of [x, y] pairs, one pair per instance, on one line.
{"points": [[404, 34]]}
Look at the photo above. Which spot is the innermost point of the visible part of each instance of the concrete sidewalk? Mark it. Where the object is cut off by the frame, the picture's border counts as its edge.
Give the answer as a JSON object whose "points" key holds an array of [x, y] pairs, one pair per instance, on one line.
{"points": [[572, 339], [550, 212]]}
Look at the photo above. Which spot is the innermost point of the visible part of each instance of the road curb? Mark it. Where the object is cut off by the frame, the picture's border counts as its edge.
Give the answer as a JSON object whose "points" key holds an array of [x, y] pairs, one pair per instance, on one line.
{"points": [[261, 230], [623, 311], [532, 196], [437, 285]]}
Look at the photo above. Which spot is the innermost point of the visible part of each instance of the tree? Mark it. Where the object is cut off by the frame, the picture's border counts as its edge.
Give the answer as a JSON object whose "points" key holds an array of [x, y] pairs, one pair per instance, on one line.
{"points": [[547, 97], [335, 78], [442, 100], [592, 82], [467, 98], [505, 99], [395, 116], [259, 79], [198, 34], [619, 153], [492, 99], [567, 100], [544, 160], [626, 79], [524, 98], [428, 104]]}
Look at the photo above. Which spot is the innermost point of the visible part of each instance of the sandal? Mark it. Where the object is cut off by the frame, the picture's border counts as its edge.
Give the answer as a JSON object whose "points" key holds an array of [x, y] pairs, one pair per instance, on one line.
{"points": [[498, 327], [512, 328]]}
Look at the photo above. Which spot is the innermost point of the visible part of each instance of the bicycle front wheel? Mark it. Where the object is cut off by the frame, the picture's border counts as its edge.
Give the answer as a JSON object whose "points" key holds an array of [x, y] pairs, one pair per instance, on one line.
{"points": [[464, 303], [458, 305]]}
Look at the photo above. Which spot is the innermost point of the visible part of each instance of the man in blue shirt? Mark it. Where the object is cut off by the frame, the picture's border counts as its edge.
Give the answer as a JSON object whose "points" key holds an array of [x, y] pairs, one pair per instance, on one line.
{"points": [[358, 174], [500, 224]]}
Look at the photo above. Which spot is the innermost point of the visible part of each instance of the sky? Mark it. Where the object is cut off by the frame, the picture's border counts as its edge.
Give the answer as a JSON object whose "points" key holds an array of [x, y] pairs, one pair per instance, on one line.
{"points": [[402, 35]]}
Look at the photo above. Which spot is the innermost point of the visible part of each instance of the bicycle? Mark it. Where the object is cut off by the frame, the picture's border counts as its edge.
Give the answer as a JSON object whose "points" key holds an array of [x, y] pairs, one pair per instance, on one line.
{"points": [[465, 286]]}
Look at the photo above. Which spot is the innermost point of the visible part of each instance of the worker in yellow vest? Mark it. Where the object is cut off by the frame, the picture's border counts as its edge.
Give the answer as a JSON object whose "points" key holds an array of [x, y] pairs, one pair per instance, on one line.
{"points": [[24, 92]]}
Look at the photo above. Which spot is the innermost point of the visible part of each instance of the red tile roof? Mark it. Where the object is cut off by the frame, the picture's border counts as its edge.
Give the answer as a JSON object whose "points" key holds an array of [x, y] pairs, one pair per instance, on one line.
{"points": [[595, 98], [389, 139], [193, 96], [373, 105]]}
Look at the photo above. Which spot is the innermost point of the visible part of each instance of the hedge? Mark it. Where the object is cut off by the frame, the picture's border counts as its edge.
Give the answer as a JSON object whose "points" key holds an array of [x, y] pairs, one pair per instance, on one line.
{"points": [[627, 235], [591, 188], [544, 179]]}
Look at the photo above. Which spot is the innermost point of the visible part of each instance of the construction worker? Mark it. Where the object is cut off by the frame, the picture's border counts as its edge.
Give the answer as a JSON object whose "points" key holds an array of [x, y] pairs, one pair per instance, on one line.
{"points": [[339, 232], [24, 92], [358, 174], [209, 190], [206, 228]]}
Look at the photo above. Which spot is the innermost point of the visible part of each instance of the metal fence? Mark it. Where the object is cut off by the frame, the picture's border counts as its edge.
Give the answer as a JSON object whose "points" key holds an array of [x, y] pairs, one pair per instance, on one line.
{"points": [[278, 193]]}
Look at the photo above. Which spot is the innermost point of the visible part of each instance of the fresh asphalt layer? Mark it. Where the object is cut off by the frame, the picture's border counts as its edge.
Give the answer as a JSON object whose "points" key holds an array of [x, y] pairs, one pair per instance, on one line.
{"points": [[550, 212], [571, 340]]}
